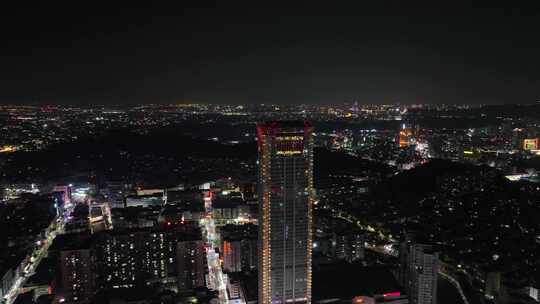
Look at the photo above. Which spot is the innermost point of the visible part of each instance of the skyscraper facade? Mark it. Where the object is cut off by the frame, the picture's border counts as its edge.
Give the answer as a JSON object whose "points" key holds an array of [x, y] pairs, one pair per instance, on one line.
{"points": [[404, 138], [285, 211]]}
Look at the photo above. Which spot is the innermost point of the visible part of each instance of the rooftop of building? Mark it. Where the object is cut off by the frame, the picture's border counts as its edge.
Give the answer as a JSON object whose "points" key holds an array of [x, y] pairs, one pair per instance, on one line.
{"points": [[44, 273], [184, 232], [146, 196], [71, 241], [238, 232], [273, 127], [284, 124], [135, 211], [227, 202], [175, 208]]}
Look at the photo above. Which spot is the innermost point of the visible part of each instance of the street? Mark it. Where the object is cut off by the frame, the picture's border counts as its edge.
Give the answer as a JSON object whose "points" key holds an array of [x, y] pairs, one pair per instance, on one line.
{"points": [[216, 278], [37, 255]]}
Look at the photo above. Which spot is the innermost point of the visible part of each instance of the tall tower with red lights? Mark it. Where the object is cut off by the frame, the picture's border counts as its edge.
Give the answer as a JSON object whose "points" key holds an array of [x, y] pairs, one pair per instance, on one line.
{"points": [[285, 211]]}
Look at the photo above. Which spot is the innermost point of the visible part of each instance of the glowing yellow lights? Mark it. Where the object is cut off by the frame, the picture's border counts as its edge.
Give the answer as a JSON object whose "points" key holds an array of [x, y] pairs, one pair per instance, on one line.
{"points": [[289, 152], [531, 144], [276, 142], [8, 149], [286, 138], [468, 152], [266, 250], [404, 137]]}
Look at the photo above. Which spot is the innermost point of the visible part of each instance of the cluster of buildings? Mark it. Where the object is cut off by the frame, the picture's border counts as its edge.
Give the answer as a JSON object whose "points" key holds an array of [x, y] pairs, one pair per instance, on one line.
{"points": [[279, 238], [153, 236], [131, 258], [137, 246]]}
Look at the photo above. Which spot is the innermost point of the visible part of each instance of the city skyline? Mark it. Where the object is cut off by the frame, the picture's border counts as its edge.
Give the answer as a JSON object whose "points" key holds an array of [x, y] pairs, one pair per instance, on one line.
{"points": [[309, 152], [164, 204]]}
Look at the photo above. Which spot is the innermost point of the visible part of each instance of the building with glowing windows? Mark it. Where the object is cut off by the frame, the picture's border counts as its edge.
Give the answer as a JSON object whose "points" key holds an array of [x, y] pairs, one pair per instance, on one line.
{"points": [[285, 211], [191, 263], [134, 257], [404, 138], [128, 259], [531, 144], [419, 270], [77, 274], [239, 247]]}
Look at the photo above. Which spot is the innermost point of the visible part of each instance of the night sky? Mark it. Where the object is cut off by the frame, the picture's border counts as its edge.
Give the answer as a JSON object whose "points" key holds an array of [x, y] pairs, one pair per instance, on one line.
{"points": [[383, 52]]}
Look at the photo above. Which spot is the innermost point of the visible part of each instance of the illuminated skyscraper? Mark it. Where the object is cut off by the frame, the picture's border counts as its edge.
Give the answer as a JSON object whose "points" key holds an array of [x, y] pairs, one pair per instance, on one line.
{"points": [[285, 211], [405, 135]]}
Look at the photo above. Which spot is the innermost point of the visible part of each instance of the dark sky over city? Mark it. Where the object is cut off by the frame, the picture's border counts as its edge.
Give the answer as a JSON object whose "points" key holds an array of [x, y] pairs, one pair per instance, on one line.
{"points": [[372, 52]]}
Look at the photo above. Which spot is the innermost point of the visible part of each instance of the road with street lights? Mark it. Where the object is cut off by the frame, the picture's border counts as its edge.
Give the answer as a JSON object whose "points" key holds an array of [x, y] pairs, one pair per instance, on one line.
{"points": [[57, 227], [217, 280]]}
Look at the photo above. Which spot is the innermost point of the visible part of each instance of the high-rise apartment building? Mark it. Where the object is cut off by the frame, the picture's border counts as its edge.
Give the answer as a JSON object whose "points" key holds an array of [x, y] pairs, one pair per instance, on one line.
{"points": [[232, 255], [239, 254], [191, 264], [134, 257], [419, 270], [239, 247], [77, 274], [285, 211], [76, 280], [349, 246], [128, 259]]}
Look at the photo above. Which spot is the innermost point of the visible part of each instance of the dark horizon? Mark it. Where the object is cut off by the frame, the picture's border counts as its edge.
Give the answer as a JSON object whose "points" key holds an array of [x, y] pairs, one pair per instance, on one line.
{"points": [[380, 53]]}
